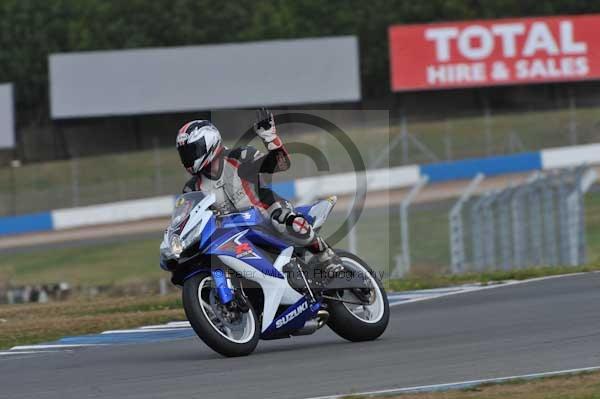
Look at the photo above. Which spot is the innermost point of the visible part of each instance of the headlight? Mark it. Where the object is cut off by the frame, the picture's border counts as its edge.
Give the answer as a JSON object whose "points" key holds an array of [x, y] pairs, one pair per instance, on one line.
{"points": [[176, 245]]}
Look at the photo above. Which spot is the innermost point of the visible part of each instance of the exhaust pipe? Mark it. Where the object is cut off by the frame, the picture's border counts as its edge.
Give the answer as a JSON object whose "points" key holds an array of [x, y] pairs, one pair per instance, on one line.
{"points": [[313, 325]]}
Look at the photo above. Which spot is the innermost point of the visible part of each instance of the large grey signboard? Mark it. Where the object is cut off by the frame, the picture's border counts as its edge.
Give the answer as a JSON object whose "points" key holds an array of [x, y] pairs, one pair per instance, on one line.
{"points": [[7, 118], [159, 80]]}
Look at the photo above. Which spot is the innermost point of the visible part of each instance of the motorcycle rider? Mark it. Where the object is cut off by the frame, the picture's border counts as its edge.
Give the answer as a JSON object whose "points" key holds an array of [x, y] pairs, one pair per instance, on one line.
{"points": [[233, 176]]}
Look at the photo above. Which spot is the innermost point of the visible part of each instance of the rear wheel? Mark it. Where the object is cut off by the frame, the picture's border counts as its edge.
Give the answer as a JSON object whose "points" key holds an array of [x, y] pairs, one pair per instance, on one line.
{"points": [[227, 330], [362, 322]]}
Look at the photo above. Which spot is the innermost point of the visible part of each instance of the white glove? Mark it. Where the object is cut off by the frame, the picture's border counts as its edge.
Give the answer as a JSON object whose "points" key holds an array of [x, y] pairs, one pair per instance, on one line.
{"points": [[264, 127]]}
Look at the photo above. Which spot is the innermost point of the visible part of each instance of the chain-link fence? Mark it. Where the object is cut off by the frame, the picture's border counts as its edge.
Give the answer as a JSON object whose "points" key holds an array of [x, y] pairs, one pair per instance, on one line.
{"points": [[92, 180], [85, 181], [540, 222], [426, 237], [543, 221]]}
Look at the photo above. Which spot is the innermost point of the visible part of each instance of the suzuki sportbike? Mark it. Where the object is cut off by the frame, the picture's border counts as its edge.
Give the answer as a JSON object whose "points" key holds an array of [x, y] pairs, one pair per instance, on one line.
{"points": [[242, 281]]}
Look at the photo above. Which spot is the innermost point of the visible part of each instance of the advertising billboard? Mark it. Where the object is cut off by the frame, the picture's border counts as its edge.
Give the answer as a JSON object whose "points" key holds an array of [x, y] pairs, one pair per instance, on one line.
{"points": [[179, 79], [494, 52]]}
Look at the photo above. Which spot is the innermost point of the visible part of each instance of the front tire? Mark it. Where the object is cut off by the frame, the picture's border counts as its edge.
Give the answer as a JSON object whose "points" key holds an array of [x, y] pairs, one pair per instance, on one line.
{"points": [[349, 321], [212, 322]]}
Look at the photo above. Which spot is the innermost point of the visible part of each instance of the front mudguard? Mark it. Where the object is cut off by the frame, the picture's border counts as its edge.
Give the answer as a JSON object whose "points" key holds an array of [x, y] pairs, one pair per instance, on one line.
{"points": [[183, 270], [186, 268]]}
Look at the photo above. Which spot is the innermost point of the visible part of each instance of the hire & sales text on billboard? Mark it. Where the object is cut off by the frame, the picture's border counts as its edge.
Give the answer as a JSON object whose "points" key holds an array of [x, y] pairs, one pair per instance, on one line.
{"points": [[494, 52]]}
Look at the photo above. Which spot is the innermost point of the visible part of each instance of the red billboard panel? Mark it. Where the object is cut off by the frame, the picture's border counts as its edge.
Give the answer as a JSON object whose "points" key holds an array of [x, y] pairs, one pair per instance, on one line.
{"points": [[494, 52]]}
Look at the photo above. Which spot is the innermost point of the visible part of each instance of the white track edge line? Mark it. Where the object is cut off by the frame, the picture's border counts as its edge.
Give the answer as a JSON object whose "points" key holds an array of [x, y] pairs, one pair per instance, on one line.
{"points": [[145, 330], [15, 353], [462, 384], [56, 346], [485, 287], [163, 326]]}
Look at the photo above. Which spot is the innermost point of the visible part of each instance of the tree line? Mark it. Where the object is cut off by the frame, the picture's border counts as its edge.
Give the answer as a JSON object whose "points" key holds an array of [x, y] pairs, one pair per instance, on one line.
{"points": [[30, 30]]}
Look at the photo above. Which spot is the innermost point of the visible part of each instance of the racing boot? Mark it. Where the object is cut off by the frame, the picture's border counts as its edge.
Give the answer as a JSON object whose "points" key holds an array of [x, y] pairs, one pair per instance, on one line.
{"points": [[329, 263]]}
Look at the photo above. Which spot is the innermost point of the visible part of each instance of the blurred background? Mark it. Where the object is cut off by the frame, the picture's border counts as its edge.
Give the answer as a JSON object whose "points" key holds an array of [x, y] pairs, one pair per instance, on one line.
{"points": [[478, 133]]}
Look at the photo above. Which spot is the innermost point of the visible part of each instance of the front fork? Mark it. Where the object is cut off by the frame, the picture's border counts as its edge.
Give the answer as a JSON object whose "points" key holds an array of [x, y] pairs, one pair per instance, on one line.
{"points": [[224, 290]]}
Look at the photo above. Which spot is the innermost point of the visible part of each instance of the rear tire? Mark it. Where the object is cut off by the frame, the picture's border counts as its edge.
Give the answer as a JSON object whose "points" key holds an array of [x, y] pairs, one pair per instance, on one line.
{"points": [[203, 317], [350, 326]]}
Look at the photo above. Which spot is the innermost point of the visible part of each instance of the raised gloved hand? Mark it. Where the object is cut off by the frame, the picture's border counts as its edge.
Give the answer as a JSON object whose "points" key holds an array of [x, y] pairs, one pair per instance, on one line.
{"points": [[264, 127]]}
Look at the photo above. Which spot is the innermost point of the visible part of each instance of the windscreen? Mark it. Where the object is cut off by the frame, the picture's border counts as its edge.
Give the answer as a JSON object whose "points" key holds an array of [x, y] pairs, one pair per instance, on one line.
{"points": [[183, 205]]}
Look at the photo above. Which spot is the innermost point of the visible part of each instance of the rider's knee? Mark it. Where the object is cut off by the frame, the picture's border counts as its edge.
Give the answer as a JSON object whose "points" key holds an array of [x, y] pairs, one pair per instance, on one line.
{"points": [[279, 212]]}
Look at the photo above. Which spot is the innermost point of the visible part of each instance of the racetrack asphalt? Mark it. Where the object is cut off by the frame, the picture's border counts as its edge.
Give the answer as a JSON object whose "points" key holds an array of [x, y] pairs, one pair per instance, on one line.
{"points": [[539, 326]]}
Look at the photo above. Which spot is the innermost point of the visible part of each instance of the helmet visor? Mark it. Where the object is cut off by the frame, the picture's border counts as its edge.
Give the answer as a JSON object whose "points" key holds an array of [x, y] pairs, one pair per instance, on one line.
{"points": [[191, 152]]}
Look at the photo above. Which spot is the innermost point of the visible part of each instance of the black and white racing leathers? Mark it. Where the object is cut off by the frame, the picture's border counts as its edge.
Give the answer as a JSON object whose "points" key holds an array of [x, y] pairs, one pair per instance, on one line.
{"points": [[238, 187]]}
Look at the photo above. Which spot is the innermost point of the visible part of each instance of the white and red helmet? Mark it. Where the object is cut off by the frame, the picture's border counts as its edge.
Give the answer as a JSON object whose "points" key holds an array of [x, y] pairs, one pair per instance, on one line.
{"points": [[198, 142]]}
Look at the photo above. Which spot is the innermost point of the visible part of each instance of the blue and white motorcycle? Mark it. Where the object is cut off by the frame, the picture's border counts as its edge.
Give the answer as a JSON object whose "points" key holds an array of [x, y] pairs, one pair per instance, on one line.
{"points": [[243, 282]]}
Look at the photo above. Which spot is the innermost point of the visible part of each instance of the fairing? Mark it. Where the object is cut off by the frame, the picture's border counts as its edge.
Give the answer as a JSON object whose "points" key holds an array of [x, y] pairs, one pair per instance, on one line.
{"points": [[237, 241]]}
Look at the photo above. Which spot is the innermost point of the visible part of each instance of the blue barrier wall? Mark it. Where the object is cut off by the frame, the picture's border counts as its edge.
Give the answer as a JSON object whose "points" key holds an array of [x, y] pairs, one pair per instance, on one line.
{"points": [[468, 168], [437, 172], [26, 223], [286, 189]]}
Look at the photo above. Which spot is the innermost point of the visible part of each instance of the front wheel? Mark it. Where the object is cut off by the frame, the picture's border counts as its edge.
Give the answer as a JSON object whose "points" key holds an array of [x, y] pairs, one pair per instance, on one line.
{"points": [[363, 322], [227, 331]]}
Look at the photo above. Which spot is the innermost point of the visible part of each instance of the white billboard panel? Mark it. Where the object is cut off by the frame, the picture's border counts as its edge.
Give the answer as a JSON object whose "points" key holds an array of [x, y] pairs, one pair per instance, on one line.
{"points": [[177, 79], [7, 116]]}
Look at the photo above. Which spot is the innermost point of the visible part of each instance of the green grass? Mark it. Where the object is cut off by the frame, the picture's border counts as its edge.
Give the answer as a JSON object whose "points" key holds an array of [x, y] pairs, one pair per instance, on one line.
{"points": [[416, 282], [536, 130], [576, 386], [33, 323], [125, 262]]}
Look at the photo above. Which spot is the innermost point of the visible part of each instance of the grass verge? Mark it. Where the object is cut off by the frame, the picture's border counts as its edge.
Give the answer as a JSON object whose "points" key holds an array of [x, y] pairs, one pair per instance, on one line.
{"points": [[125, 262], [35, 323], [420, 282], [579, 386]]}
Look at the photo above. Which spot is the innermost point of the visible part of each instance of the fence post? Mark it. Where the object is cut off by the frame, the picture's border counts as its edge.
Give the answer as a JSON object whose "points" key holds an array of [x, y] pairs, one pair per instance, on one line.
{"points": [[157, 167], [14, 164], [550, 252], [572, 117], [573, 226], [162, 286], [535, 218], [352, 242], [489, 229], [585, 180], [74, 181], [519, 229], [563, 217], [404, 226], [404, 134], [477, 233], [504, 226], [384, 155], [457, 238]]}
